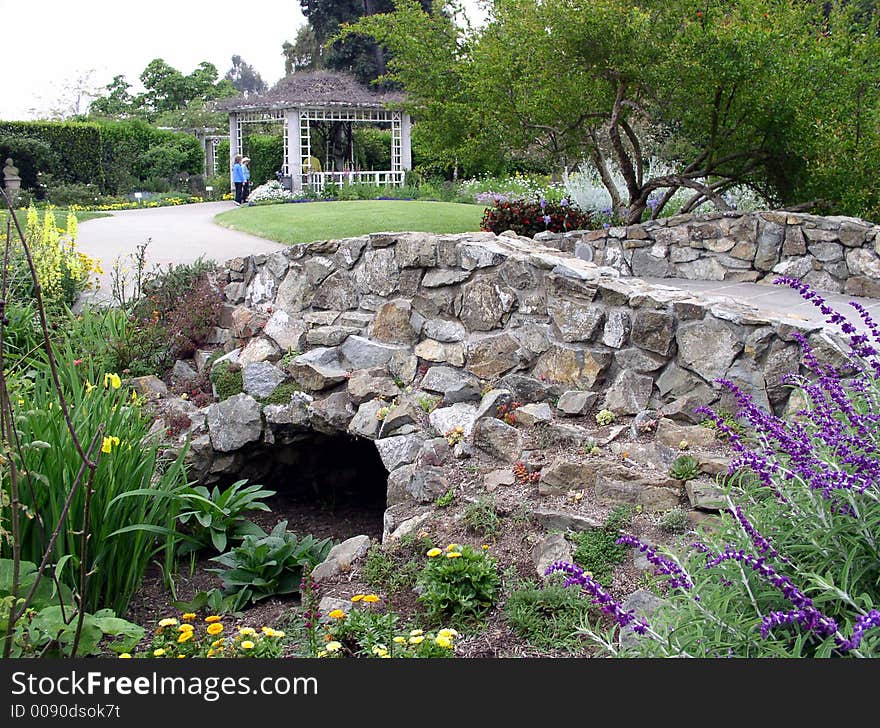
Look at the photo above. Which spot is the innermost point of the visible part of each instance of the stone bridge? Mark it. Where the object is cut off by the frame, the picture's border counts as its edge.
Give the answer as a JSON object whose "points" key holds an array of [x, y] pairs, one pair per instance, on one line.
{"points": [[411, 340]]}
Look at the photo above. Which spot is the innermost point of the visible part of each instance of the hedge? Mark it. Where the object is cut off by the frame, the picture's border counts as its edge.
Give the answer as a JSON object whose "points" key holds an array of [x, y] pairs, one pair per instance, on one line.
{"points": [[267, 156], [79, 146], [115, 155]]}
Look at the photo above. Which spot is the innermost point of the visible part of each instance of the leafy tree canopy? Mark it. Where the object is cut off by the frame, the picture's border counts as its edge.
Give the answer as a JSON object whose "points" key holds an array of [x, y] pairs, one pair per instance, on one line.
{"points": [[779, 95], [244, 77]]}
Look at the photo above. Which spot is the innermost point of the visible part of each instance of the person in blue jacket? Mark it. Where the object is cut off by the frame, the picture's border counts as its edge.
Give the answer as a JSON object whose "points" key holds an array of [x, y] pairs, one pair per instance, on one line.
{"points": [[238, 179], [246, 188]]}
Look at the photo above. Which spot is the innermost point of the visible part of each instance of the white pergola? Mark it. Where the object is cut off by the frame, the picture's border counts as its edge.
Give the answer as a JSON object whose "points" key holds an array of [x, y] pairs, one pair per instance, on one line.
{"points": [[322, 96]]}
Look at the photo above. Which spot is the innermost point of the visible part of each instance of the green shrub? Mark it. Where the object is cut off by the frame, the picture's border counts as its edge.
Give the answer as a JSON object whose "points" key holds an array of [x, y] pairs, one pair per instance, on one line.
{"points": [[530, 217], [65, 194], [597, 551], [675, 521], [282, 394], [267, 156], [270, 565], [228, 379], [445, 499], [216, 516], [33, 157], [372, 148], [548, 617], [366, 633], [458, 584], [394, 569], [78, 145]]}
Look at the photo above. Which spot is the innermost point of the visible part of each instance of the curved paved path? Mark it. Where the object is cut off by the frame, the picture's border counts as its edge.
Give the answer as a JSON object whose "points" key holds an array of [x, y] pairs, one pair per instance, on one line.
{"points": [[177, 235], [184, 233]]}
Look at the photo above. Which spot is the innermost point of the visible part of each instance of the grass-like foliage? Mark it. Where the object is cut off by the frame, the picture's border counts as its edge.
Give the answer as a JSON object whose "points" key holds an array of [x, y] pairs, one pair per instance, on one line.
{"points": [[597, 550], [794, 568], [548, 617]]}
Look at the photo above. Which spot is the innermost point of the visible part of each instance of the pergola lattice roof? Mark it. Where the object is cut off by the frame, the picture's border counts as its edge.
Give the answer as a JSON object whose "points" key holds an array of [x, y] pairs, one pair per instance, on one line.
{"points": [[315, 88]]}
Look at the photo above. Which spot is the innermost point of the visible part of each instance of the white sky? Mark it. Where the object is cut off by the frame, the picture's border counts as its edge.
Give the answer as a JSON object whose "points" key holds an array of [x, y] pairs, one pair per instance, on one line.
{"points": [[48, 44]]}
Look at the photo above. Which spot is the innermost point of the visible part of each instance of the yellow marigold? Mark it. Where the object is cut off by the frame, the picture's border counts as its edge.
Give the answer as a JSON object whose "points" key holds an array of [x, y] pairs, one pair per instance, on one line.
{"points": [[452, 547], [357, 597], [333, 646], [158, 653], [247, 631], [180, 657], [371, 598], [267, 631], [447, 632], [185, 636], [215, 628], [186, 615], [278, 633], [400, 640], [443, 641], [168, 622], [217, 643], [416, 640], [485, 547], [322, 653], [212, 618], [337, 614], [125, 656], [211, 652], [415, 632], [380, 651], [434, 552], [247, 645], [453, 555], [185, 628]]}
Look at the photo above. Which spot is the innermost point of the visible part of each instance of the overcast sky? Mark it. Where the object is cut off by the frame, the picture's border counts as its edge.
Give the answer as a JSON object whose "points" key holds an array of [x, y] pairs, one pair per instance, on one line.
{"points": [[48, 44], [45, 43]]}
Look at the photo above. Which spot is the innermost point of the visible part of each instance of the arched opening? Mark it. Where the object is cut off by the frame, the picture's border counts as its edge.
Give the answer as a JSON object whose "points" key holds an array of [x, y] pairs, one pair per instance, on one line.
{"points": [[326, 485]]}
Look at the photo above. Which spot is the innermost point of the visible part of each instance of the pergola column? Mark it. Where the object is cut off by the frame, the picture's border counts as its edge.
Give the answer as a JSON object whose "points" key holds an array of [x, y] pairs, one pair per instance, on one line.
{"points": [[406, 142], [293, 154], [234, 144]]}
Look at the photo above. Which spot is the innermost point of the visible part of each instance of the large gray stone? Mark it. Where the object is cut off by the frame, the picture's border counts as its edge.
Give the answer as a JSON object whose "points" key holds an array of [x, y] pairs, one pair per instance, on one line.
{"points": [[443, 330], [707, 348], [770, 238], [377, 273], [629, 394], [563, 475], [366, 423], [527, 389], [416, 250], [485, 303], [576, 402], [337, 293], [438, 277], [332, 414], [638, 360], [645, 604], [863, 262], [498, 438], [285, 331], [705, 496], [367, 384], [393, 323], [550, 549], [261, 378], [616, 330], [341, 558], [572, 365], [556, 520], [362, 353], [456, 385], [398, 450], [234, 423], [610, 492], [258, 349], [672, 435], [479, 255], [435, 351], [576, 320], [654, 331], [533, 414], [330, 335], [426, 484], [317, 369], [492, 402], [492, 356]]}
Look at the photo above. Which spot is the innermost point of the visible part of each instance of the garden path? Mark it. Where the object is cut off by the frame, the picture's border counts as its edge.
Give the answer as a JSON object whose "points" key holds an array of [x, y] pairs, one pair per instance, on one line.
{"points": [[178, 234]]}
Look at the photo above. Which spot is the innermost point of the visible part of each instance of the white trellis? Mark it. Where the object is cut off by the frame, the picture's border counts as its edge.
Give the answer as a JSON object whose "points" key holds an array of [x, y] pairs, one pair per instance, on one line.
{"points": [[297, 129]]}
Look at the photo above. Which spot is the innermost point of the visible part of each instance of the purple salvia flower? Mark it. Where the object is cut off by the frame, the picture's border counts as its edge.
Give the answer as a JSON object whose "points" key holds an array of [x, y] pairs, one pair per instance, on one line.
{"points": [[809, 619], [547, 219], [760, 542], [871, 620], [576, 575], [663, 564]]}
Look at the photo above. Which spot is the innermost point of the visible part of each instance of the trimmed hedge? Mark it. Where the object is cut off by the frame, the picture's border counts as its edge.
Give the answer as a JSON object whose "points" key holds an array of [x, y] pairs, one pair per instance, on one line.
{"points": [[114, 155], [79, 146], [267, 156]]}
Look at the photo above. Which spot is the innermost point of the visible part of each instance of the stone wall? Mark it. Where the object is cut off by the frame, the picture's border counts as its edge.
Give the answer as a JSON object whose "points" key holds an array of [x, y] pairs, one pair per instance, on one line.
{"points": [[838, 254], [402, 338]]}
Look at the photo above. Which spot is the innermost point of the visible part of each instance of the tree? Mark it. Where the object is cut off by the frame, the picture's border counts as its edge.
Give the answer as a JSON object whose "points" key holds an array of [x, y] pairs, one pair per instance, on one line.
{"points": [[305, 53], [726, 93], [359, 55], [117, 102], [244, 77], [70, 98]]}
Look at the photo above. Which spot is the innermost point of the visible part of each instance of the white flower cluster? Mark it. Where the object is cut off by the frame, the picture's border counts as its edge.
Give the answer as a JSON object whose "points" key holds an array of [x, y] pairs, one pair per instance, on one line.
{"points": [[270, 191]]}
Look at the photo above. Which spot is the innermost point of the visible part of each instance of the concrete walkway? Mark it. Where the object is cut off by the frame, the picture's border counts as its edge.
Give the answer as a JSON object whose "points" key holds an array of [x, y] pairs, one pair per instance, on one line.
{"points": [[178, 234]]}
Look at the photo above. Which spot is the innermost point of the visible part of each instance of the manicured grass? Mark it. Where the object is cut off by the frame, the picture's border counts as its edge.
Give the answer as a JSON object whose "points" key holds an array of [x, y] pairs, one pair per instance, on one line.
{"points": [[303, 222]]}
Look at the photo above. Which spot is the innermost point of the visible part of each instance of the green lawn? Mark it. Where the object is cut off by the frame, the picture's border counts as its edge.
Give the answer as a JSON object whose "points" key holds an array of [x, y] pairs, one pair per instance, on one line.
{"points": [[304, 222]]}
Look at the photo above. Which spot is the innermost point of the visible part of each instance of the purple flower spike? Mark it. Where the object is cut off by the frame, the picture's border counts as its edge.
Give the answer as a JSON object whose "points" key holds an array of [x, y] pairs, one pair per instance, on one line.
{"points": [[809, 619], [871, 620], [576, 575], [679, 579]]}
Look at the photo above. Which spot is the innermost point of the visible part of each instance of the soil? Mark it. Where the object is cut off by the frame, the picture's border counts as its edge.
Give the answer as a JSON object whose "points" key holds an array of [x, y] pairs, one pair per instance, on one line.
{"points": [[511, 545]]}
